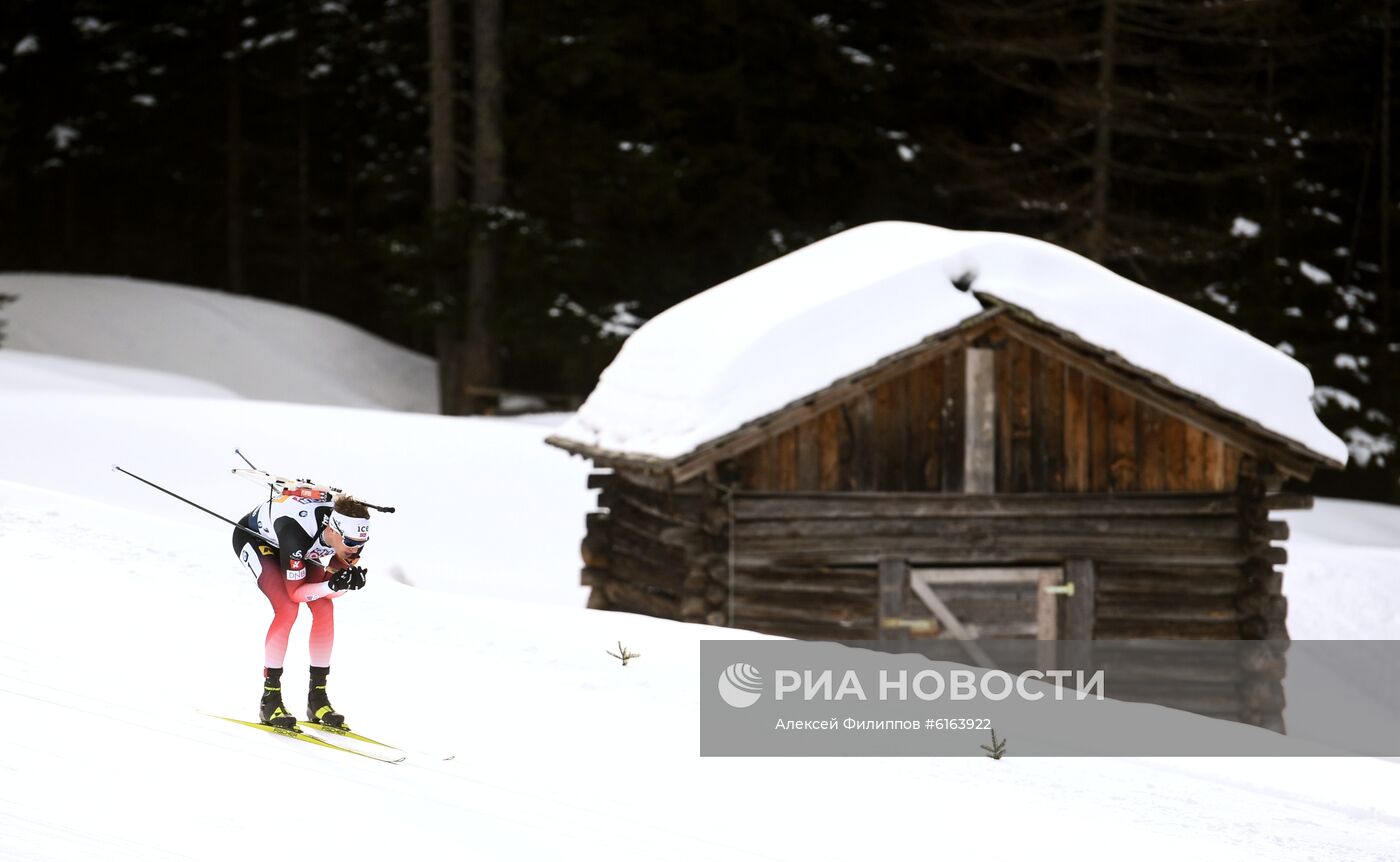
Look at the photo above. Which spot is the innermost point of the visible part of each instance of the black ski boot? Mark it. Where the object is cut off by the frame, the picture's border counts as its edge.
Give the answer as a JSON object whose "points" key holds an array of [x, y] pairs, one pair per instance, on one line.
{"points": [[318, 705], [271, 711]]}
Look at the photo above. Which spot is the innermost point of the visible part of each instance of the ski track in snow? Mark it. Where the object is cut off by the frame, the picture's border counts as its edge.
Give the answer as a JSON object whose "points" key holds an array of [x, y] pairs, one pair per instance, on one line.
{"points": [[110, 639]]}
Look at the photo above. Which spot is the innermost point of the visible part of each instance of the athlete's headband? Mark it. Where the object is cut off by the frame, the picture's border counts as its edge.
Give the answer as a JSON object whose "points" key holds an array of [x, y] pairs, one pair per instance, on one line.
{"points": [[353, 530]]}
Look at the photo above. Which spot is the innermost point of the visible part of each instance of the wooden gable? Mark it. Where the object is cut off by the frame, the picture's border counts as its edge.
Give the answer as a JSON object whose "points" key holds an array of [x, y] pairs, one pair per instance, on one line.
{"points": [[1059, 428], [1070, 416]]}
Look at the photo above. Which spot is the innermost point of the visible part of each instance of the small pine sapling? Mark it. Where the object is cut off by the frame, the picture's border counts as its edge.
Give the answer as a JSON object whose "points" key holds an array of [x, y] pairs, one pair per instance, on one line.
{"points": [[623, 654], [996, 749]]}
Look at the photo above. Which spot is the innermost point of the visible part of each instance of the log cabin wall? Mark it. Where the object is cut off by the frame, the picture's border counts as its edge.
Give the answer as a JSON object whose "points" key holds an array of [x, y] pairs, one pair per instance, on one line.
{"points": [[1058, 430], [657, 552], [805, 564], [1165, 565]]}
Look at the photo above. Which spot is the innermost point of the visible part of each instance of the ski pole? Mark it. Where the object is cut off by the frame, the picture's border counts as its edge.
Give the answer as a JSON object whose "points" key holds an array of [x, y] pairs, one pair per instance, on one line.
{"points": [[234, 524]]}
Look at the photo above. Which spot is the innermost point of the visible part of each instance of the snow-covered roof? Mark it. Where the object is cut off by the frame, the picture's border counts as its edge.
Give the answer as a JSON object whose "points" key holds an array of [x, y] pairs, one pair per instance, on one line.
{"points": [[748, 347]]}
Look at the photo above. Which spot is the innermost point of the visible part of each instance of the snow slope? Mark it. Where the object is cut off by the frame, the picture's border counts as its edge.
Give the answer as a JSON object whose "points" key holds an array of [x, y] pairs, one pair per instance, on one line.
{"points": [[123, 612], [21, 370], [110, 639], [1343, 574], [474, 496], [792, 327], [256, 348]]}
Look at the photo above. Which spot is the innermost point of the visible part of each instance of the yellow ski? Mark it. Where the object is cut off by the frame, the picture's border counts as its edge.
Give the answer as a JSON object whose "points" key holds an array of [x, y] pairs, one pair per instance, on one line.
{"points": [[306, 737], [350, 734]]}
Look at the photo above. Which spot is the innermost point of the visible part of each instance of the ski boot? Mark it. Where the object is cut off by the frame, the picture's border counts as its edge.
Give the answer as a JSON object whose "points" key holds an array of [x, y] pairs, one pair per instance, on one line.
{"points": [[318, 705], [270, 710]]}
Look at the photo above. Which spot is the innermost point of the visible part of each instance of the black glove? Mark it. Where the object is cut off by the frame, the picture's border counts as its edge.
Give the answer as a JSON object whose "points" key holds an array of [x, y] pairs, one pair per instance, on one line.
{"points": [[348, 579]]}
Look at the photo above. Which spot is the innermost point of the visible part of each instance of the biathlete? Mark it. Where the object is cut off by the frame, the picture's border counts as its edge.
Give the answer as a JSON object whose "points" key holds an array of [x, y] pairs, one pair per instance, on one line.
{"points": [[309, 547]]}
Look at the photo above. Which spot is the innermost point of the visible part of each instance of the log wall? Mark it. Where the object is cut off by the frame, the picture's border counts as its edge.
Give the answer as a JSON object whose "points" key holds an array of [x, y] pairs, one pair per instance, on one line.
{"points": [[656, 552], [1166, 565], [807, 564]]}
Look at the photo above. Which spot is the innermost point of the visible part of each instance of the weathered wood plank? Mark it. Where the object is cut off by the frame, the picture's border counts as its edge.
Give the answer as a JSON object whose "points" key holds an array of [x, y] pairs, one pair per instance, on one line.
{"points": [[952, 418], [643, 548], [950, 542], [1288, 500], [914, 395], [1196, 459], [1151, 443], [1047, 616], [1214, 467], [598, 600], [861, 416], [1039, 475], [777, 587], [1100, 457], [601, 480], [1004, 415], [1164, 608], [834, 610], [1231, 467], [933, 426], [1122, 441], [1113, 629], [809, 456], [1075, 432], [910, 469], [625, 597], [982, 575], [979, 454], [1080, 610], [785, 447], [638, 572], [708, 515], [1012, 591], [1167, 584], [753, 469], [902, 472], [1020, 407], [1050, 447], [829, 435], [643, 518], [925, 553], [1178, 464], [1126, 527], [893, 589], [765, 506], [883, 454]]}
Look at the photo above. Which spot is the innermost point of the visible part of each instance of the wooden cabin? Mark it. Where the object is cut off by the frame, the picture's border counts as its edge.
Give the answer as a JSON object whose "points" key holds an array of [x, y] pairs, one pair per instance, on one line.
{"points": [[1001, 478]]}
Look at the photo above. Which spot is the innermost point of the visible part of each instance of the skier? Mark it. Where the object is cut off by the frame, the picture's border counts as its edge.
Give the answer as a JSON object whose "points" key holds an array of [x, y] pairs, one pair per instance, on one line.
{"points": [[311, 544]]}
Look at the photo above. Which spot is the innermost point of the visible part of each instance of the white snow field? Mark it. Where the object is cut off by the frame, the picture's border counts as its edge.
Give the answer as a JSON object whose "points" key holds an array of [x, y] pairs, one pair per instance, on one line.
{"points": [[1343, 574], [124, 613], [256, 348]]}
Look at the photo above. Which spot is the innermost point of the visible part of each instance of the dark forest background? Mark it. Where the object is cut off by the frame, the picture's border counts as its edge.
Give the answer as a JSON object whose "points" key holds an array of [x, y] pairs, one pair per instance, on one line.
{"points": [[606, 160]]}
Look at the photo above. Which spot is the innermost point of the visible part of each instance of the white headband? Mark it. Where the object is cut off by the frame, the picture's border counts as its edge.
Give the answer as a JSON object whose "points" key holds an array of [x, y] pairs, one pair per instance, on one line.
{"points": [[354, 529]]}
